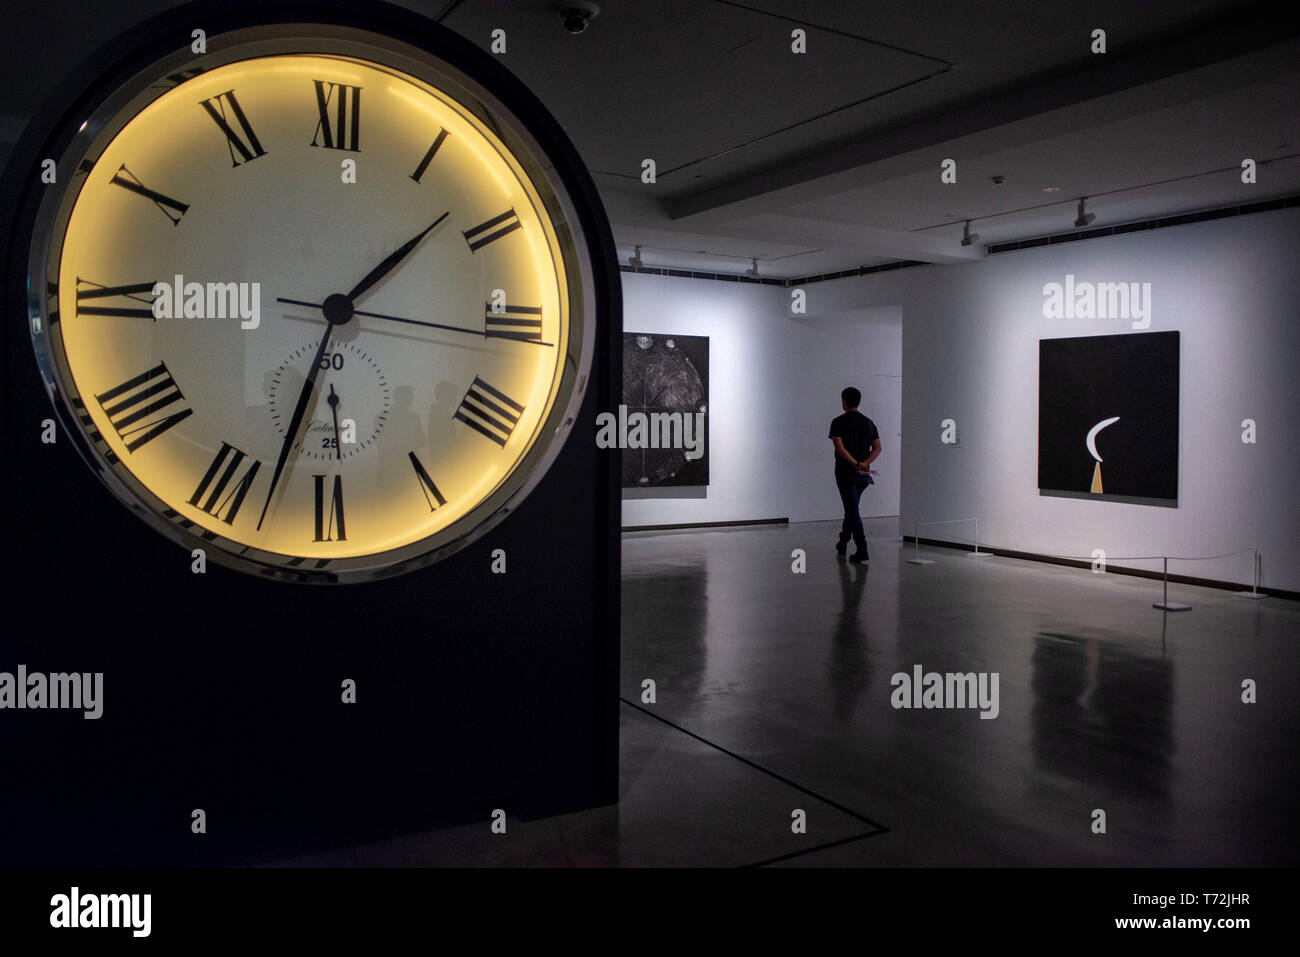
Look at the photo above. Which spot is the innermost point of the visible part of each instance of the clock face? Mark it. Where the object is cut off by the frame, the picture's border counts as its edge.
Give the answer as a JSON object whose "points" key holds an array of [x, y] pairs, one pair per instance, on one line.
{"points": [[319, 313]]}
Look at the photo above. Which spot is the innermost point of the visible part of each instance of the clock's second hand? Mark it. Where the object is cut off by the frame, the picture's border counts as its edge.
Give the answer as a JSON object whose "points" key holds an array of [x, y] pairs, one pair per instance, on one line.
{"points": [[333, 400], [412, 322]]}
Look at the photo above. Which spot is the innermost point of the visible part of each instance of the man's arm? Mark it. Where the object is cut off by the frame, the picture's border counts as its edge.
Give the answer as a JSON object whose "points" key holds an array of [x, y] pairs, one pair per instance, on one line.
{"points": [[841, 452], [872, 455]]}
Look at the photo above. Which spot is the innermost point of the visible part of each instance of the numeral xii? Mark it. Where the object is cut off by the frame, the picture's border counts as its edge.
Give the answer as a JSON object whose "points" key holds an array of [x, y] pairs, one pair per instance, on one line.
{"points": [[345, 131]]}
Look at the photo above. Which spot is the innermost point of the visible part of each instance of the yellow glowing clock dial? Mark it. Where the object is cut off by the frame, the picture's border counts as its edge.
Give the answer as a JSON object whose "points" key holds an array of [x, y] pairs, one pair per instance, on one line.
{"points": [[193, 273]]}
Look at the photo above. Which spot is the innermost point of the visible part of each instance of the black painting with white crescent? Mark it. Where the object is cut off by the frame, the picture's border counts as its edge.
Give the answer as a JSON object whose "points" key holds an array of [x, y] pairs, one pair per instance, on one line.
{"points": [[1108, 415]]}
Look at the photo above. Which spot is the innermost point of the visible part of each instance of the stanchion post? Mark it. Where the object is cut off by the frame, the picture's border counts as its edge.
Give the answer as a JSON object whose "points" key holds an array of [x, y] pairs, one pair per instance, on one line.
{"points": [[1166, 604], [977, 553], [1254, 578], [916, 558]]}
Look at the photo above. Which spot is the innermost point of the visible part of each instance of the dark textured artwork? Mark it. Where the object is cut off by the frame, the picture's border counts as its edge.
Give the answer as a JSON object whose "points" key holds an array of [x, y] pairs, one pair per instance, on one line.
{"points": [[664, 373], [1108, 416]]}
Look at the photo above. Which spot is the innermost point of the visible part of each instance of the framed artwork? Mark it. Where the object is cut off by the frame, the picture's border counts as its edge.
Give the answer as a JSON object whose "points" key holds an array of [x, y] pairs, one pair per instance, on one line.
{"points": [[1108, 416], [666, 400]]}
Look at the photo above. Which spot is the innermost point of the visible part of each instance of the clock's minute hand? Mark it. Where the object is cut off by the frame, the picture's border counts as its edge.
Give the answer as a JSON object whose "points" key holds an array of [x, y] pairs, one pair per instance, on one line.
{"points": [[291, 433], [413, 322], [337, 309]]}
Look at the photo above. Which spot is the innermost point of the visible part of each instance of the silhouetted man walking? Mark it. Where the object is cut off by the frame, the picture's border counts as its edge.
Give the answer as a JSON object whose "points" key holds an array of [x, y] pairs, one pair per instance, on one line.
{"points": [[857, 443]]}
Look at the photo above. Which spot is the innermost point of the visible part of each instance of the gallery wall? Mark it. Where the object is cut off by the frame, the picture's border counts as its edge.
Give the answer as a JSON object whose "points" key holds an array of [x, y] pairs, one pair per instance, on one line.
{"points": [[774, 385], [970, 352]]}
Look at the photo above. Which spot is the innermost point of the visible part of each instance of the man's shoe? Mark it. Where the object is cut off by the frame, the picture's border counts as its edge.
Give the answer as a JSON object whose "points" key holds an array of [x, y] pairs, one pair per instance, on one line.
{"points": [[842, 544], [860, 558]]}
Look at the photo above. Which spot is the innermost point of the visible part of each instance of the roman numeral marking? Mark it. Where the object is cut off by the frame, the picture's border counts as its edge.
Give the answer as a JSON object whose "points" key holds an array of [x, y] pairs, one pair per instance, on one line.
{"points": [[324, 529], [426, 484], [130, 404], [346, 133], [109, 455], [492, 230], [176, 79], [489, 411], [52, 302], [161, 201], [174, 516], [521, 323], [428, 157], [134, 292], [248, 145], [216, 480]]}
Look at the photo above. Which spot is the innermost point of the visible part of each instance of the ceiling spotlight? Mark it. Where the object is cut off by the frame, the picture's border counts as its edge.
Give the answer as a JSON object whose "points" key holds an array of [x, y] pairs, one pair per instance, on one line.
{"points": [[967, 237], [1084, 218], [635, 259], [752, 270], [1051, 189]]}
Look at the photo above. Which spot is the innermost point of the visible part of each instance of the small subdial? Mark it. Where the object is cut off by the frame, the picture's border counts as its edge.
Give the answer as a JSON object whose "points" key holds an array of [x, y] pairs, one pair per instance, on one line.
{"points": [[351, 403]]}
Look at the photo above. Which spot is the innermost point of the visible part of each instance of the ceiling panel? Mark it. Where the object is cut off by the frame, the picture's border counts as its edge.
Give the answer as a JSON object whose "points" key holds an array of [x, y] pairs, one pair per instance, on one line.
{"points": [[683, 81], [1186, 141]]}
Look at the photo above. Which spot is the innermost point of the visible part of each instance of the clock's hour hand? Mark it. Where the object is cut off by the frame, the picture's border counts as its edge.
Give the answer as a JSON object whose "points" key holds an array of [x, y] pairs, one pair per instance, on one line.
{"points": [[391, 263], [414, 322]]}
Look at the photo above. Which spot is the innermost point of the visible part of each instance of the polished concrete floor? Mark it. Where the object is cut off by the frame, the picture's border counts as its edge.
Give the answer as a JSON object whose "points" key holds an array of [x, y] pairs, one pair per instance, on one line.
{"points": [[773, 696]]}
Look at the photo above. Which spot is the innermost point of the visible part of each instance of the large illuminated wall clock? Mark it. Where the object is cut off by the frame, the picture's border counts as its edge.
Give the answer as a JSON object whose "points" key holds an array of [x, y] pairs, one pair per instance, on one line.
{"points": [[315, 300]]}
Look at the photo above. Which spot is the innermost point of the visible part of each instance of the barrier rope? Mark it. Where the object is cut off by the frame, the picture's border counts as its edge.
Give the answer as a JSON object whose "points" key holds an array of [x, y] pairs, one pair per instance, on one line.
{"points": [[1254, 587]]}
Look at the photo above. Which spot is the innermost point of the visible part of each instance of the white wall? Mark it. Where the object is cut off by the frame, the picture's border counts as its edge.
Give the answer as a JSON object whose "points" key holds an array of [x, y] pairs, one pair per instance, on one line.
{"points": [[970, 337], [774, 386]]}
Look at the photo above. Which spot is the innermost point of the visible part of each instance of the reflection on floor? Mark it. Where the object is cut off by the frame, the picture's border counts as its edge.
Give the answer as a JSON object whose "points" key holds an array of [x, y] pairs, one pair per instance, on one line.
{"points": [[773, 696]]}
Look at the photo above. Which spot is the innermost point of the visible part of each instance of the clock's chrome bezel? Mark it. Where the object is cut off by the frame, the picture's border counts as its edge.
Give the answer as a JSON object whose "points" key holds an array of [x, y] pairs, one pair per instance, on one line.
{"points": [[578, 249]]}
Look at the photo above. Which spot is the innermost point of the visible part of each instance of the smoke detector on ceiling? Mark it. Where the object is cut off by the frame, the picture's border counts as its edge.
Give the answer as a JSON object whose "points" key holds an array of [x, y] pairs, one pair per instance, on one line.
{"points": [[576, 14]]}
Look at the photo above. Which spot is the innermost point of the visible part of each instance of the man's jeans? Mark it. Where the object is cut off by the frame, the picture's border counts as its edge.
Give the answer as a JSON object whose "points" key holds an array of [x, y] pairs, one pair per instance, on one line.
{"points": [[851, 488]]}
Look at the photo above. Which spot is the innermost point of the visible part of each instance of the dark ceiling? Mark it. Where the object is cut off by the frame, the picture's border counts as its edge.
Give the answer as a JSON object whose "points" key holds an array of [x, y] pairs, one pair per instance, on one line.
{"points": [[830, 159]]}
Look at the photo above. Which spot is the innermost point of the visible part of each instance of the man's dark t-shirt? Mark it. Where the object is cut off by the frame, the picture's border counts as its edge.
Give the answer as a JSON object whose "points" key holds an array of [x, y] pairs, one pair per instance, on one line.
{"points": [[858, 434]]}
